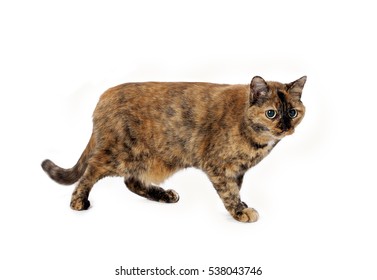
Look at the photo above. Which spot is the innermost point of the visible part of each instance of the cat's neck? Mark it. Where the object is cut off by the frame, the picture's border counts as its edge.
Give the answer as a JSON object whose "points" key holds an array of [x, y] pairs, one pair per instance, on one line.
{"points": [[257, 140]]}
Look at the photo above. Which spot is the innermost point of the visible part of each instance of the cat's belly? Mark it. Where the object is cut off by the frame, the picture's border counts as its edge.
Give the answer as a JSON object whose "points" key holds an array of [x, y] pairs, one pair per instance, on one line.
{"points": [[148, 171]]}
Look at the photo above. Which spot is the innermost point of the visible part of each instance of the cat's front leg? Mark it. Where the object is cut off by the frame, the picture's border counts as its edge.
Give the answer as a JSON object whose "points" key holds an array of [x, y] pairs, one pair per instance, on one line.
{"points": [[229, 192], [239, 180]]}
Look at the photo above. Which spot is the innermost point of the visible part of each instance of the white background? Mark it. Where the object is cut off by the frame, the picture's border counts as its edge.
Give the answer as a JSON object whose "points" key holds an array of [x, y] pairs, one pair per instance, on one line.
{"points": [[316, 191]]}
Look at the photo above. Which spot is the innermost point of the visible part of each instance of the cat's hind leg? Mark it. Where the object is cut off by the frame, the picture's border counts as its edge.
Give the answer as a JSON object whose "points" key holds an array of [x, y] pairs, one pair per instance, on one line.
{"points": [[94, 172], [151, 192]]}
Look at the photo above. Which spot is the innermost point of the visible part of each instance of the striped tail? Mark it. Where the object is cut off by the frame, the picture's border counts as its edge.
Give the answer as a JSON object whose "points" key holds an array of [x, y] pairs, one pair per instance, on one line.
{"points": [[71, 175]]}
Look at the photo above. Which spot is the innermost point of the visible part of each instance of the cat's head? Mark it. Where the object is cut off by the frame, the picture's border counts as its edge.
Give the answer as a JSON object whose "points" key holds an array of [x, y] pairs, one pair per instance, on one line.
{"points": [[275, 108]]}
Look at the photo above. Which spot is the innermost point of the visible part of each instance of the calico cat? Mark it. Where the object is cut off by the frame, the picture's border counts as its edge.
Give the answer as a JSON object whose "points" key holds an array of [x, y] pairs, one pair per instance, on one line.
{"points": [[145, 132]]}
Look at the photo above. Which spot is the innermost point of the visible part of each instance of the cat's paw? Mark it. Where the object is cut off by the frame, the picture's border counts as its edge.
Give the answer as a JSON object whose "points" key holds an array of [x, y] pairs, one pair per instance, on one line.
{"points": [[80, 203], [171, 196], [247, 215]]}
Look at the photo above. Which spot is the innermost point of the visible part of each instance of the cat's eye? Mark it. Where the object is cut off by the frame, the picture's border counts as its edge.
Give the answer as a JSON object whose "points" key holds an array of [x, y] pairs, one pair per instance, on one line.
{"points": [[292, 113], [270, 114]]}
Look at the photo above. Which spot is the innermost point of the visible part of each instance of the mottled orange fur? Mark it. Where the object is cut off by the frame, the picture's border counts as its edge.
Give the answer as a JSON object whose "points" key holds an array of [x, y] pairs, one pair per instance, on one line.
{"points": [[145, 132]]}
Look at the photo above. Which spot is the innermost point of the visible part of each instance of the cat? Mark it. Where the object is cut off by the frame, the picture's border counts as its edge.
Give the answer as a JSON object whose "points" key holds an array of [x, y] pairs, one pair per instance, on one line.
{"points": [[145, 132]]}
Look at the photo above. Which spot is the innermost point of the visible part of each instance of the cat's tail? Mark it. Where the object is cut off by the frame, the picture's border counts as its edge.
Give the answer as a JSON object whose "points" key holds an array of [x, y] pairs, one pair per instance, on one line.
{"points": [[71, 175]]}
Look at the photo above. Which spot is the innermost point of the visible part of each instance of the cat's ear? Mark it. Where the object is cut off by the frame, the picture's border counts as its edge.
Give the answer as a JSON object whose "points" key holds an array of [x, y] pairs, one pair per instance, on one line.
{"points": [[295, 88], [258, 89]]}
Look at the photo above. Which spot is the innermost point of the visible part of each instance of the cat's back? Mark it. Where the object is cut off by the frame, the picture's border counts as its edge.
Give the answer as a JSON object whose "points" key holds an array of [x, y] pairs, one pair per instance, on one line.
{"points": [[171, 97], [167, 114], [160, 90]]}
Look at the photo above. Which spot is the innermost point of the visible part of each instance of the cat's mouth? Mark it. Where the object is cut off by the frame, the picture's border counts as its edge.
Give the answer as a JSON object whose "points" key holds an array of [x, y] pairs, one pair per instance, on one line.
{"points": [[290, 131], [280, 134]]}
